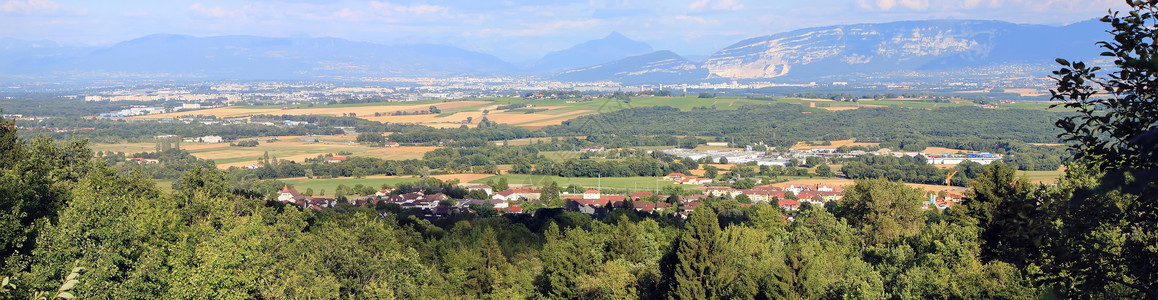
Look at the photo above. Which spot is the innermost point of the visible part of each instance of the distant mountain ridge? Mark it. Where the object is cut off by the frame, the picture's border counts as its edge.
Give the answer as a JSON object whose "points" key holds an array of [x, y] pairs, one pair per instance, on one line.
{"points": [[907, 45], [613, 47], [659, 66], [252, 57], [820, 52]]}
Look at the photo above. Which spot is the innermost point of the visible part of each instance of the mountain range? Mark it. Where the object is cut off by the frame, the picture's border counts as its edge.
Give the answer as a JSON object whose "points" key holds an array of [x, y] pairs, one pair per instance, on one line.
{"points": [[917, 46]]}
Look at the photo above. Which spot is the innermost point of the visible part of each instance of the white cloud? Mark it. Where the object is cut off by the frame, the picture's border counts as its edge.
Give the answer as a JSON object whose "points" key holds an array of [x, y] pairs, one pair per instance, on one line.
{"points": [[696, 19], [30, 7], [953, 5], [215, 12], [700, 5], [420, 9], [347, 14]]}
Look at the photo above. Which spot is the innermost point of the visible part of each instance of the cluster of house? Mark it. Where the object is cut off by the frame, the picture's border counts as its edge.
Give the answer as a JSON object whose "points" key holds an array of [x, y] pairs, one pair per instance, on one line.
{"points": [[144, 161], [733, 156], [814, 194], [680, 178], [290, 195], [942, 201], [134, 111], [593, 201], [209, 139], [932, 158]]}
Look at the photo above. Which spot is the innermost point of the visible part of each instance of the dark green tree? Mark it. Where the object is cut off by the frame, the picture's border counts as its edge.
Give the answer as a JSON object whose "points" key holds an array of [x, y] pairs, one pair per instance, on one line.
{"points": [[884, 211], [823, 170], [1106, 241], [710, 171], [700, 267]]}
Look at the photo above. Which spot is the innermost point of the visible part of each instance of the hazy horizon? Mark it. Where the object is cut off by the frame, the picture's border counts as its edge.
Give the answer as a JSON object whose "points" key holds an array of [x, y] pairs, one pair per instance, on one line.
{"points": [[514, 31]]}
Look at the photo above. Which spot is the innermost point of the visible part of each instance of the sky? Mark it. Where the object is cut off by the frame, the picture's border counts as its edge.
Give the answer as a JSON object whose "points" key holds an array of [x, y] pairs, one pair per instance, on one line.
{"points": [[513, 30]]}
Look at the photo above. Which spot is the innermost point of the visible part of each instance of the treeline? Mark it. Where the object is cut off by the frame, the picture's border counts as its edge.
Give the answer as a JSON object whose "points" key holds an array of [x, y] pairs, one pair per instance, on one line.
{"points": [[627, 167], [911, 169], [354, 166], [359, 125], [171, 163], [486, 130], [783, 125], [116, 131], [789, 123], [485, 158], [213, 238], [65, 107]]}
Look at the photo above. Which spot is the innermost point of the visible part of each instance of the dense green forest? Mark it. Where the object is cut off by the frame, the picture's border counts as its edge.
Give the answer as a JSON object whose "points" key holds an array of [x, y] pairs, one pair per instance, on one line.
{"points": [[47, 106], [209, 239], [72, 226], [116, 131], [784, 124]]}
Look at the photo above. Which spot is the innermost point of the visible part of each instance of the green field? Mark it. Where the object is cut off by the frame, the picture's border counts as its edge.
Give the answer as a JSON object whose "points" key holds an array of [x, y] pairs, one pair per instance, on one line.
{"points": [[1040, 105], [608, 104], [911, 103], [1042, 176], [329, 185]]}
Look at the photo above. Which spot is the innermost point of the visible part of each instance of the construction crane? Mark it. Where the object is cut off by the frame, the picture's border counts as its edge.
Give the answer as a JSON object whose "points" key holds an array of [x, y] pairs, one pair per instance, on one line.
{"points": [[949, 177]]}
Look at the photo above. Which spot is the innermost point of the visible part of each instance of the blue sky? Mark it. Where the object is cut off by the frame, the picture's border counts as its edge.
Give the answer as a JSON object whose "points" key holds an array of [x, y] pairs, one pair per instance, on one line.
{"points": [[514, 30]]}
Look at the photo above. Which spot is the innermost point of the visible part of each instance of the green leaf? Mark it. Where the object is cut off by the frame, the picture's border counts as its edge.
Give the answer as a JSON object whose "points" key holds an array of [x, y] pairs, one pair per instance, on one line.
{"points": [[1063, 61], [65, 295]]}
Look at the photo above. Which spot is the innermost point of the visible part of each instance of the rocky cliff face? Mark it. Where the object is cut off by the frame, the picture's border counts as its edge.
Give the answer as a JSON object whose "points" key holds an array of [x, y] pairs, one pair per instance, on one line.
{"points": [[911, 45]]}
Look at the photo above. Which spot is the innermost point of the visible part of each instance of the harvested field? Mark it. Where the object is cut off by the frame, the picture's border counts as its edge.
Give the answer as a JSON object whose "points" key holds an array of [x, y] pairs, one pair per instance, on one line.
{"points": [[841, 108], [937, 188], [554, 119], [464, 178], [1027, 92], [826, 181], [835, 144], [849, 182], [939, 150], [288, 148], [528, 141], [361, 111]]}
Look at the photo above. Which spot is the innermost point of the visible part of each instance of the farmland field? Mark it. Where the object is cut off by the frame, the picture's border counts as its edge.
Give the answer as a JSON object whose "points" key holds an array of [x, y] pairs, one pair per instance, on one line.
{"points": [[289, 148], [361, 110], [1044, 177], [543, 112], [833, 144]]}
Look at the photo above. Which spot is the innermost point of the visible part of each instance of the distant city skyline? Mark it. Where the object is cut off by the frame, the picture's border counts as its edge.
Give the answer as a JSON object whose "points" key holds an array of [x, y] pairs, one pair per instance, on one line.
{"points": [[513, 30]]}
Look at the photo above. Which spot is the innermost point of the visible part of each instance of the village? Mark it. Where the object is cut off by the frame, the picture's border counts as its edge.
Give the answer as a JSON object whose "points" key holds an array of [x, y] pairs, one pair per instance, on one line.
{"points": [[434, 204], [784, 158]]}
